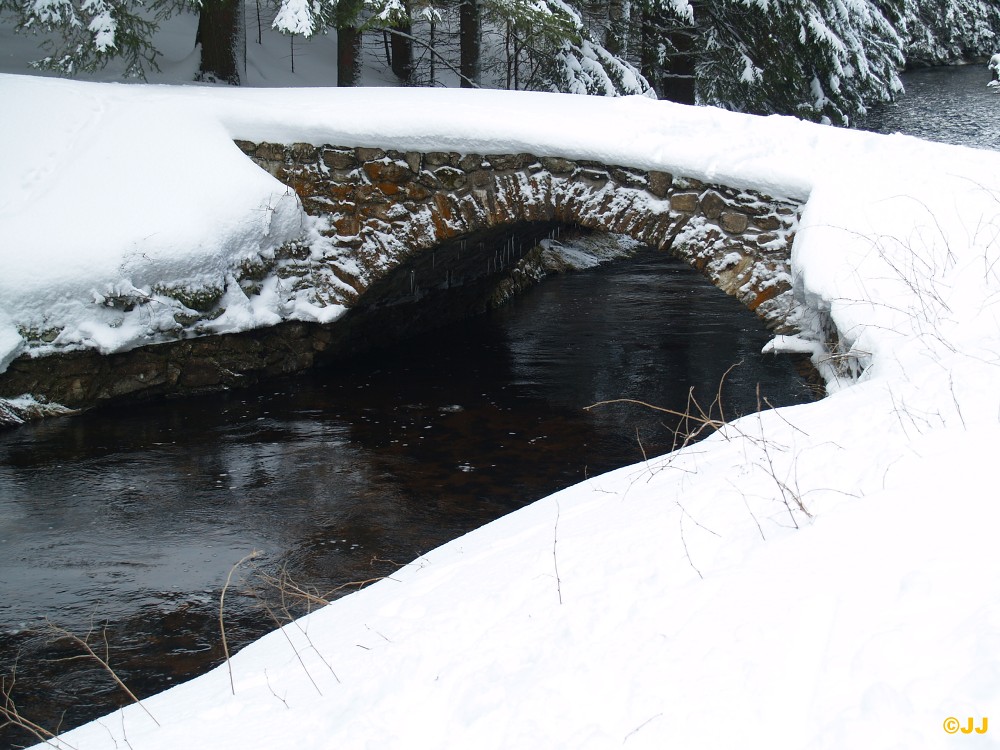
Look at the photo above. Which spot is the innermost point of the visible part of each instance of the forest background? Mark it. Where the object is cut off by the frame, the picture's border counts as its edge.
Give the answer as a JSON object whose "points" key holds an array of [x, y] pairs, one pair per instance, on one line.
{"points": [[821, 60]]}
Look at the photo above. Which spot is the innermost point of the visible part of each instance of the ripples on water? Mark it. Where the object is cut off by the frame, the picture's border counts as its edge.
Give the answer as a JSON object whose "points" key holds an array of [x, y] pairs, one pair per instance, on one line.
{"points": [[951, 104], [135, 516]]}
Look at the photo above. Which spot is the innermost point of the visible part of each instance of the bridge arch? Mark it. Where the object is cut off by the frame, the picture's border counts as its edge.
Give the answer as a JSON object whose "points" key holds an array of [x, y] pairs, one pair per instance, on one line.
{"points": [[381, 210], [395, 227]]}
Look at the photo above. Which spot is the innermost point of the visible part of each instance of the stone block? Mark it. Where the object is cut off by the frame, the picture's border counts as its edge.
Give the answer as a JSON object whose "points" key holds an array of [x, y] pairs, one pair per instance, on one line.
{"points": [[471, 162], [415, 191], [505, 162], [392, 212], [412, 159], [387, 171], [660, 184], [369, 154], [389, 189], [768, 223], [629, 178], [200, 373], [450, 178], [369, 194], [557, 165], [303, 153], [733, 222], [339, 158], [481, 179], [440, 159], [685, 203], [712, 204], [347, 226], [271, 152], [339, 191]]}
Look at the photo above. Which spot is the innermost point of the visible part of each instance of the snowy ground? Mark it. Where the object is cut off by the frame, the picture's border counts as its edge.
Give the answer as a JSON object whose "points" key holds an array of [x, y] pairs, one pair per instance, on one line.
{"points": [[823, 576]]}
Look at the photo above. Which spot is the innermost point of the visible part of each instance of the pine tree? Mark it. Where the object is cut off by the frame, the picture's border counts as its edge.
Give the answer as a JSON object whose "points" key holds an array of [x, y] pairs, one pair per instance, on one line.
{"points": [[350, 18], [822, 60], [86, 34], [589, 68], [943, 31], [667, 42], [546, 45]]}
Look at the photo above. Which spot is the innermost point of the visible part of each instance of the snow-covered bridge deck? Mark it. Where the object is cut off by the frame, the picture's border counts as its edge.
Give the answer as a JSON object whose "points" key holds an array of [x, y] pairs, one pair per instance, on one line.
{"points": [[847, 546], [151, 224]]}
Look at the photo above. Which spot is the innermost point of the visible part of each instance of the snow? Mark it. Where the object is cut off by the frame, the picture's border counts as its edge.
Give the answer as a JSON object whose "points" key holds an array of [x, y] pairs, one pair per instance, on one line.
{"points": [[171, 203], [820, 576]]}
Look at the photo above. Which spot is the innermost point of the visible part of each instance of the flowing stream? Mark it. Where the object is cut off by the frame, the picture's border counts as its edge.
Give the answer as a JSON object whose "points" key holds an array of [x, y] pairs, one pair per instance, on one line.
{"points": [[123, 524], [950, 104], [127, 521]]}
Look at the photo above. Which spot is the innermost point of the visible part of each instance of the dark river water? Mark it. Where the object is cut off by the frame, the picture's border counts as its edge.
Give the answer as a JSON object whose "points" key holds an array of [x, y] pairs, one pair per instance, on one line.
{"points": [[950, 104], [126, 522], [123, 524]]}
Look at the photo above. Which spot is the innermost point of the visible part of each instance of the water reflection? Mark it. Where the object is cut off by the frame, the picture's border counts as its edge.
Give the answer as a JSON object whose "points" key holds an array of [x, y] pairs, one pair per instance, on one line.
{"points": [[134, 516]]}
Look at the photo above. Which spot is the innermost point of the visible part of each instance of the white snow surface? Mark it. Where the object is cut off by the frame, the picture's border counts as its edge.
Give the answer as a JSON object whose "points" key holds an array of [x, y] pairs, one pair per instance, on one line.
{"points": [[819, 576]]}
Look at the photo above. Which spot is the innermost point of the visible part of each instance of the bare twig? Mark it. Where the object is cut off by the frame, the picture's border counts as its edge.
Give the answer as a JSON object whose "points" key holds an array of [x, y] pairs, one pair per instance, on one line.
{"points": [[12, 717], [647, 721], [298, 655], [433, 52], [222, 625], [703, 421], [268, 680], [84, 643], [555, 559], [638, 439], [749, 510], [687, 552], [954, 398]]}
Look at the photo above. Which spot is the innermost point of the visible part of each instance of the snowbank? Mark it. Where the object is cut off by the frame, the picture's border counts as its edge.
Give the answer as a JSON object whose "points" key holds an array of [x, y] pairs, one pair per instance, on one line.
{"points": [[126, 202], [823, 576]]}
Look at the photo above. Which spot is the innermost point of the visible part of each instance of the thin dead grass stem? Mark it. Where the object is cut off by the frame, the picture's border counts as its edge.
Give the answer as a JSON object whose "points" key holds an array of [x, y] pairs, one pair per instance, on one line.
{"points": [[222, 624], [104, 662], [12, 717]]}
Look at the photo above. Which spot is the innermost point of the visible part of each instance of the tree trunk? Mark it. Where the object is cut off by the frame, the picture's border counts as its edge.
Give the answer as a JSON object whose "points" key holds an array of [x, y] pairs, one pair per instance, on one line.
{"points": [[218, 33], [348, 56], [615, 36], [402, 52], [677, 81], [649, 53], [470, 34], [668, 55]]}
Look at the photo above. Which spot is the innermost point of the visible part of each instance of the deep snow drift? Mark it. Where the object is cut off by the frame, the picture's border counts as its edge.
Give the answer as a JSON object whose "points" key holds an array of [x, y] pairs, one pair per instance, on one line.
{"points": [[821, 576]]}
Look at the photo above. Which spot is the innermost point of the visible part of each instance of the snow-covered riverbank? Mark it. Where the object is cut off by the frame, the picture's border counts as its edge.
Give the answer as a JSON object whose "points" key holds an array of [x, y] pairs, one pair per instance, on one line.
{"points": [[823, 576]]}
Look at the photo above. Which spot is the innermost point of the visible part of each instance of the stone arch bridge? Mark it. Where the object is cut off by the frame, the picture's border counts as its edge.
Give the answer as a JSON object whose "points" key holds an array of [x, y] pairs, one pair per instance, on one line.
{"points": [[399, 230], [446, 217]]}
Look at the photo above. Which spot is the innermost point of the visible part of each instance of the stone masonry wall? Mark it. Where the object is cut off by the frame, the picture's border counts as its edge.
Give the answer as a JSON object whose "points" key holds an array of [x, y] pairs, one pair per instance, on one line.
{"points": [[389, 220], [381, 207]]}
